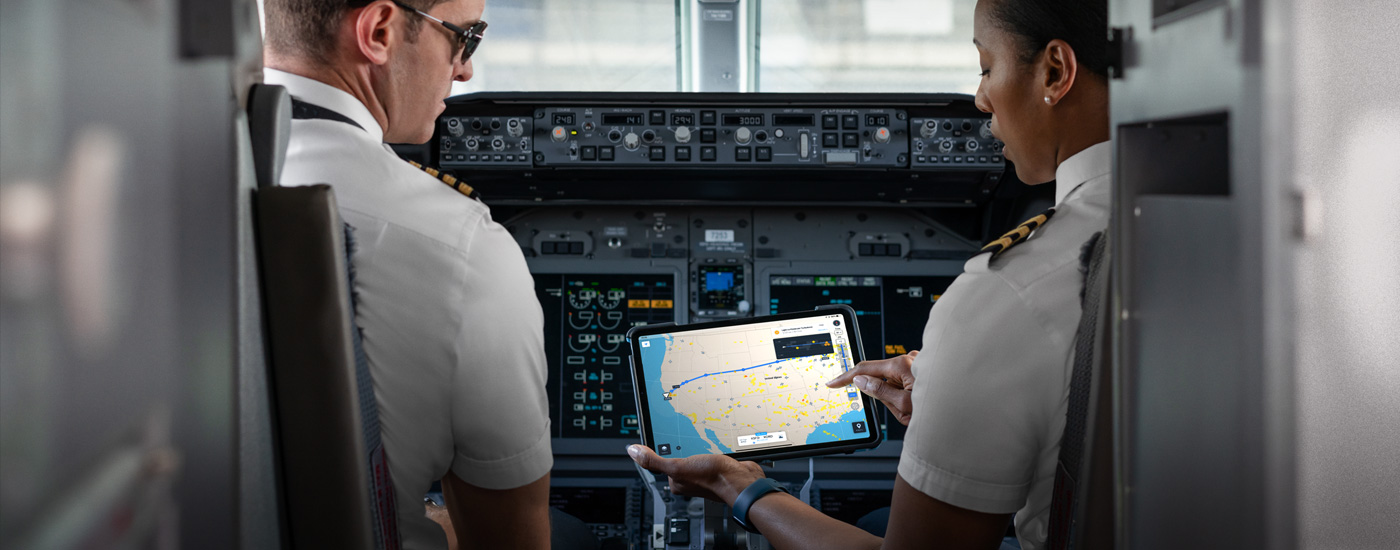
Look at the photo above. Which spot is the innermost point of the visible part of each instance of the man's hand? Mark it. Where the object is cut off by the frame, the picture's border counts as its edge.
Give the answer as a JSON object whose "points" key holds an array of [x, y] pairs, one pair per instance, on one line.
{"points": [[889, 380], [715, 477]]}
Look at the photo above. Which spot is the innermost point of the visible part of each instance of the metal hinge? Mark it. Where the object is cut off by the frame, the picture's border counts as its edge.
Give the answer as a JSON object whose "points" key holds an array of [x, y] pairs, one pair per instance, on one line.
{"points": [[1117, 37]]}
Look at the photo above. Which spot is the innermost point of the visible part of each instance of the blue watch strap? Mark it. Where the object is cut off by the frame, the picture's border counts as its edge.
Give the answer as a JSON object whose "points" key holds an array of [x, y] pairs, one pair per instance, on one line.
{"points": [[750, 495]]}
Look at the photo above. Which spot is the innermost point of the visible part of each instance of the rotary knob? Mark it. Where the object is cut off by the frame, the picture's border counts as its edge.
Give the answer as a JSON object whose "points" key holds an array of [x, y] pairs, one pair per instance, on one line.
{"points": [[683, 135], [559, 134], [743, 135], [882, 135], [630, 141], [946, 146], [972, 145], [929, 128], [454, 127], [514, 128]]}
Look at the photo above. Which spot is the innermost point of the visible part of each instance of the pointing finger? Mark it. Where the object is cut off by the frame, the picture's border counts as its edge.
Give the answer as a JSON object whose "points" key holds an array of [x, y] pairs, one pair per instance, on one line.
{"points": [[648, 459]]}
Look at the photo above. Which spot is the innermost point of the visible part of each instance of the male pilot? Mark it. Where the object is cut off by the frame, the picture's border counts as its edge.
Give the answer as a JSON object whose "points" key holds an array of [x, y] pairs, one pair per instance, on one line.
{"points": [[452, 329]]}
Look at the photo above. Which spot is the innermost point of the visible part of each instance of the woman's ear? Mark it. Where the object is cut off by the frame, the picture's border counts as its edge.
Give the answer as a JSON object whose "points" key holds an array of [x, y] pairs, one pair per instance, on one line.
{"points": [[375, 32], [1061, 70]]}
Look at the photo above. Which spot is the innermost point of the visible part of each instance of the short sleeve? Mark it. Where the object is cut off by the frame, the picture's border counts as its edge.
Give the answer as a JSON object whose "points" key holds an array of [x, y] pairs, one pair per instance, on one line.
{"points": [[984, 384], [500, 422]]}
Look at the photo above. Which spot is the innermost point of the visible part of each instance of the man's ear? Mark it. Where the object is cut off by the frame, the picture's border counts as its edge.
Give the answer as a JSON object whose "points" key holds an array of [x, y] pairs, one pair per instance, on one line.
{"points": [[1061, 70], [375, 33]]}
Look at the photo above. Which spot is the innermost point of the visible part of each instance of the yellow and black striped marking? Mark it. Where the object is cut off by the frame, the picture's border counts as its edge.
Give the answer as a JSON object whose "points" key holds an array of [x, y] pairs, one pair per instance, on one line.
{"points": [[1016, 236], [459, 185]]}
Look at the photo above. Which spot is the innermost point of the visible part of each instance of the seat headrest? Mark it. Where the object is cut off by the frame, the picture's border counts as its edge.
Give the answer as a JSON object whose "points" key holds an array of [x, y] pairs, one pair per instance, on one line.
{"points": [[270, 126]]}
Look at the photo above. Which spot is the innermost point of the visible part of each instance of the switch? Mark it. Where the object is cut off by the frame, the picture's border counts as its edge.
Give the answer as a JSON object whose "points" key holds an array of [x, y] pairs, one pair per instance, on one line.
{"points": [[804, 145], [677, 529]]}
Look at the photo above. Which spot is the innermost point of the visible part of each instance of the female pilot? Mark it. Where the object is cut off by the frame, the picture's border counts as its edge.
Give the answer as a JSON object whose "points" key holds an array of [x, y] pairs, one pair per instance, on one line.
{"points": [[989, 389]]}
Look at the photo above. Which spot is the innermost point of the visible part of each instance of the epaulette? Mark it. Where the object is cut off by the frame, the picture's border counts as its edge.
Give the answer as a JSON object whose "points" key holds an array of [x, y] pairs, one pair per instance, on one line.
{"points": [[1016, 236], [450, 180]]}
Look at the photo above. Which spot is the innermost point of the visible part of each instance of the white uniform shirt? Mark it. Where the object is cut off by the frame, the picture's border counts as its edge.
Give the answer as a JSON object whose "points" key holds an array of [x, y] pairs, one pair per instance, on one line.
{"points": [[452, 328], [992, 381]]}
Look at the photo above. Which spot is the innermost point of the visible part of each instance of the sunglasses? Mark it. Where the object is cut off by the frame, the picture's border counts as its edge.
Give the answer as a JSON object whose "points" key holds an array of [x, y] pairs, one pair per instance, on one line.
{"points": [[468, 39]]}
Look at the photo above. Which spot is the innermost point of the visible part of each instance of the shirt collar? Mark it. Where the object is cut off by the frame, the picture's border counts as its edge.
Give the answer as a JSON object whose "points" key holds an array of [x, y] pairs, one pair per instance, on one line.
{"points": [[324, 95], [1085, 165]]}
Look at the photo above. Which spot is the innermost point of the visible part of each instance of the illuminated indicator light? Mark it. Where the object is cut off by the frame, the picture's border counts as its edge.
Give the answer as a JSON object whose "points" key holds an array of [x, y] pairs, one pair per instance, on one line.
{"points": [[639, 304], [661, 304]]}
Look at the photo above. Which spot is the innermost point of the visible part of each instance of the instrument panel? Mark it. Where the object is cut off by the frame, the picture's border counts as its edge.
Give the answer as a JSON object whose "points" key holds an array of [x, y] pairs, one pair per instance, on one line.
{"points": [[537, 147]]}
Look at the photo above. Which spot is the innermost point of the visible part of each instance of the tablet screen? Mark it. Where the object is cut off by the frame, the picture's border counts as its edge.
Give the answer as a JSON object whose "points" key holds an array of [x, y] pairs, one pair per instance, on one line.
{"points": [[750, 387]]}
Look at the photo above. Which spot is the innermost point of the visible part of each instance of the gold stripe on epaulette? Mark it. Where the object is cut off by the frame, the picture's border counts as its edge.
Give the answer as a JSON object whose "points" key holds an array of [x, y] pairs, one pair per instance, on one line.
{"points": [[1004, 243], [1018, 235]]}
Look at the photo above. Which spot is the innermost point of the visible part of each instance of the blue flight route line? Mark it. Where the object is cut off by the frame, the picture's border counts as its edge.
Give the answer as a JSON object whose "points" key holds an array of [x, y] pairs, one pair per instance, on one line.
{"points": [[678, 386]]}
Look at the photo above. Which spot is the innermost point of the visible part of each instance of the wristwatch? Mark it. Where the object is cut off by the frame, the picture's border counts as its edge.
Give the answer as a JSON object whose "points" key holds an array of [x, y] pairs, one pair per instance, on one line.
{"points": [[750, 495]]}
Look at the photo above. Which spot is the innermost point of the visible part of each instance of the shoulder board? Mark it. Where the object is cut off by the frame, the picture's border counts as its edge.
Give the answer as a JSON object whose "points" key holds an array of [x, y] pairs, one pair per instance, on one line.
{"points": [[449, 180], [1018, 235]]}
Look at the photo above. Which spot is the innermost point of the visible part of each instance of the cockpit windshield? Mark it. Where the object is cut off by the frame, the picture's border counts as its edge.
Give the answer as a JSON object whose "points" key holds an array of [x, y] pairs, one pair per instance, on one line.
{"points": [[790, 46]]}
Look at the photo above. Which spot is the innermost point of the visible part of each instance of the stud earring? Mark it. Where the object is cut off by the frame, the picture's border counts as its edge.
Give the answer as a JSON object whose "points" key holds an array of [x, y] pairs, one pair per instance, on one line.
{"points": [[1047, 100]]}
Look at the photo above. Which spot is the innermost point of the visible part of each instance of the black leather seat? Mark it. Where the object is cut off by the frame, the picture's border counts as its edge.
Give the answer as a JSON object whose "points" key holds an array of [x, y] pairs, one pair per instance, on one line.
{"points": [[334, 477]]}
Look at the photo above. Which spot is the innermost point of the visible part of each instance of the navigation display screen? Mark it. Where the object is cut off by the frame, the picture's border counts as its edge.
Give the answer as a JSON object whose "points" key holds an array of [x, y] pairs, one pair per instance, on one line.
{"points": [[755, 387]]}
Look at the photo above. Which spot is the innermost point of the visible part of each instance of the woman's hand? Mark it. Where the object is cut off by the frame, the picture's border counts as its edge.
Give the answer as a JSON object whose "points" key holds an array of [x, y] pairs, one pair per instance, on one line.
{"points": [[889, 380], [715, 477]]}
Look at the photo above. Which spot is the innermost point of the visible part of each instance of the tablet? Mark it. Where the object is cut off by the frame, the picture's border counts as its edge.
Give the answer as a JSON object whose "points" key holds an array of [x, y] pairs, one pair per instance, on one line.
{"points": [[752, 389]]}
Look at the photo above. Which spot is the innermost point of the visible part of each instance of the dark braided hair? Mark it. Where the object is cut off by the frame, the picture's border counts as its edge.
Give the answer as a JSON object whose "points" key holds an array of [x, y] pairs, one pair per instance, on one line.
{"points": [[1083, 24]]}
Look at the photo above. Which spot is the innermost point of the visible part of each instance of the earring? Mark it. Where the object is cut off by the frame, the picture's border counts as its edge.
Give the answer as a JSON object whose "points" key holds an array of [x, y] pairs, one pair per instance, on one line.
{"points": [[1047, 100]]}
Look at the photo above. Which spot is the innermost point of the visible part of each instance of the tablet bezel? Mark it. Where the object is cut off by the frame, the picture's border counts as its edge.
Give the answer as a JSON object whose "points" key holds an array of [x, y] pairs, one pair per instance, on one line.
{"points": [[873, 436]]}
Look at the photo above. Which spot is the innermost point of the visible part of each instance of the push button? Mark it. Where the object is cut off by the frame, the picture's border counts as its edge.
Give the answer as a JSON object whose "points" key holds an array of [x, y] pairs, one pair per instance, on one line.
{"points": [[658, 118], [707, 153], [589, 152], [828, 122], [707, 135], [657, 154], [765, 154], [683, 154], [850, 140], [605, 153], [850, 122], [707, 117], [831, 140], [742, 154]]}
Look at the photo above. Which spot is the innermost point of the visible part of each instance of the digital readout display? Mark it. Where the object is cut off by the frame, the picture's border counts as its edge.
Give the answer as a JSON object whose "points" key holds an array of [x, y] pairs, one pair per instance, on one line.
{"points": [[743, 120], [623, 120], [679, 119], [794, 120]]}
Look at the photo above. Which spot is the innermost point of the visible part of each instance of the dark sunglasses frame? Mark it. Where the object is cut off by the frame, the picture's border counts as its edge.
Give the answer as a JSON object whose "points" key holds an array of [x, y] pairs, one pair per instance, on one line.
{"points": [[468, 39]]}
